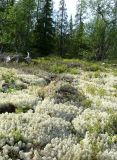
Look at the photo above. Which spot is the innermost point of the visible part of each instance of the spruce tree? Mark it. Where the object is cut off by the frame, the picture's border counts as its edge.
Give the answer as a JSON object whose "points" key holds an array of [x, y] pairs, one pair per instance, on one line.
{"points": [[44, 30]]}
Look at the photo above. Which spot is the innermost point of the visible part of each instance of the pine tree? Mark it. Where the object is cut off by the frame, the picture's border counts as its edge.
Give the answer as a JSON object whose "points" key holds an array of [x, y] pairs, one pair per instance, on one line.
{"points": [[44, 30]]}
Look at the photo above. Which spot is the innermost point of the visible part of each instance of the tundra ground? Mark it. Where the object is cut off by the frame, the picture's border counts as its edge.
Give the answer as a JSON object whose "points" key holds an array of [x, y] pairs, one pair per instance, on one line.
{"points": [[58, 109]]}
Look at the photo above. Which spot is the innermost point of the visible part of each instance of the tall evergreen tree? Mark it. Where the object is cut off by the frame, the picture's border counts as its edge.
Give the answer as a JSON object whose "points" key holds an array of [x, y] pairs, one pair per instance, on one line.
{"points": [[62, 26], [44, 31]]}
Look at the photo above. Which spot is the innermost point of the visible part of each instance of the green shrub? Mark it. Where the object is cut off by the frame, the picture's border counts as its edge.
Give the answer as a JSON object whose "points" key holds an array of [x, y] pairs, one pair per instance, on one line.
{"points": [[94, 68], [58, 68], [73, 70], [97, 74], [9, 78]]}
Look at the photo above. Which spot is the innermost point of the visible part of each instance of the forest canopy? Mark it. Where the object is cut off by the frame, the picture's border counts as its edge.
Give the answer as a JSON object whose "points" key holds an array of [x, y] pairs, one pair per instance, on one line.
{"points": [[35, 26]]}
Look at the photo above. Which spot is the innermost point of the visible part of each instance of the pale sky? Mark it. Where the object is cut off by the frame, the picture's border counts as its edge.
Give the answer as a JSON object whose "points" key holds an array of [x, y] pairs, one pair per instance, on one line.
{"points": [[70, 4]]}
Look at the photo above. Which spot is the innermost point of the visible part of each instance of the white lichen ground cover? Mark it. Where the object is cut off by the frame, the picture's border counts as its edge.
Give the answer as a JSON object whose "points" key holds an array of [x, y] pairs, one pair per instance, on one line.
{"points": [[63, 131]]}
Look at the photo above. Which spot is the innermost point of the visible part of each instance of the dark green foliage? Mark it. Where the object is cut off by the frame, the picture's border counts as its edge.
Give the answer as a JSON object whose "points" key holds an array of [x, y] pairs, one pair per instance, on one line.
{"points": [[24, 24], [44, 31], [62, 28], [29, 25]]}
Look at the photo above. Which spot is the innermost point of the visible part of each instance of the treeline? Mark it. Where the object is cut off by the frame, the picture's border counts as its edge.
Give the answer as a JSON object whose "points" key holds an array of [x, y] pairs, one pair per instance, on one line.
{"points": [[34, 26]]}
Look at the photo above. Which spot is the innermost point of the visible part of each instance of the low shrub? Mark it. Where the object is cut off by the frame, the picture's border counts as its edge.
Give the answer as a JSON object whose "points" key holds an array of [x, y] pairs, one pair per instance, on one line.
{"points": [[58, 68]]}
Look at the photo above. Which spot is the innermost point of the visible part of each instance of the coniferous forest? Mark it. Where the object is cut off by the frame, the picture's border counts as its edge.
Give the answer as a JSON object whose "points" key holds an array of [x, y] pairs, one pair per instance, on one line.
{"points": [[35, 26], [58, 80]]}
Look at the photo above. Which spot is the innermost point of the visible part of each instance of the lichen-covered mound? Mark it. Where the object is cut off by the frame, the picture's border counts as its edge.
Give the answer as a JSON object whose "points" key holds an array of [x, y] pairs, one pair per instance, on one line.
{"points": [[58, 117], [26, 132]]}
